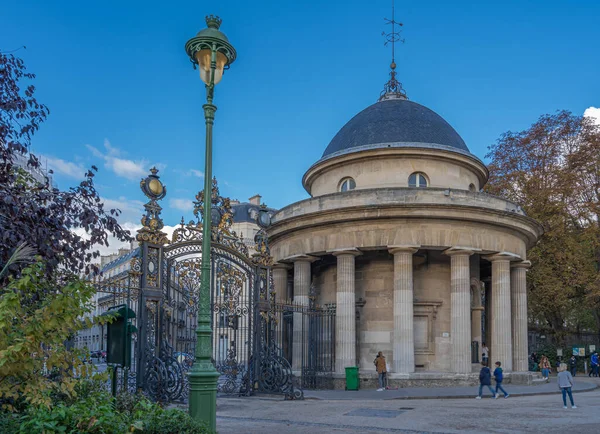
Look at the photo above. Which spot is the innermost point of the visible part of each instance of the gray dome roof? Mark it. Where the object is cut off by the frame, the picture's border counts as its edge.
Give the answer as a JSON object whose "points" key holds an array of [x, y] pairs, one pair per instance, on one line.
{"points": [[397, 121]]}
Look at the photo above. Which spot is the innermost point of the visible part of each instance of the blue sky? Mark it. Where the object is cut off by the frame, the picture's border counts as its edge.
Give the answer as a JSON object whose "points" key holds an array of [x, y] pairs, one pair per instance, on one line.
{"points": [[123, 95]]}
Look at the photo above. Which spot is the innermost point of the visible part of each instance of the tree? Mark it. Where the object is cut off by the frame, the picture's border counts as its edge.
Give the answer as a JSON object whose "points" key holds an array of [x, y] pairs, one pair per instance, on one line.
{"points": [[35, 213], [553, 170], [34, 363]]}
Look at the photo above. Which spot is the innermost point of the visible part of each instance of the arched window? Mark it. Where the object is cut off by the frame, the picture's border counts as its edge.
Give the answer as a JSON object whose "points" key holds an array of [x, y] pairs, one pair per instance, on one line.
{"points": [[417, 179], [472, 187], [347, 184]]}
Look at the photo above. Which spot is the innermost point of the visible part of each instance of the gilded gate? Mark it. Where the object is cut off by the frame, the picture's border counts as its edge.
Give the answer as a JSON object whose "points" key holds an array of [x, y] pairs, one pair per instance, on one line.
{"points": [[162, 286]]}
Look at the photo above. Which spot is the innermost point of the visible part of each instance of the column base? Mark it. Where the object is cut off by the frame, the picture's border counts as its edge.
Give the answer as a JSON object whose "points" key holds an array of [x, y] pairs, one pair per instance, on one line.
{"points": [[203, 397]]}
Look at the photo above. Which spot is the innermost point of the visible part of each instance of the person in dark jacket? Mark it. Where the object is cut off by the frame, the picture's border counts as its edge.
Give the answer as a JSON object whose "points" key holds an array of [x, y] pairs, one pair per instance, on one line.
{"points": [[498, 376], [573, 365], [485, 379]]}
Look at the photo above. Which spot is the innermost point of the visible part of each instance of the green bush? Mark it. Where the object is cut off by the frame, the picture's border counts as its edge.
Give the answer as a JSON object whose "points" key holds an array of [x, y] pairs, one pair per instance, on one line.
{"points": [[98, 413], [9, 422], [150, 418]]}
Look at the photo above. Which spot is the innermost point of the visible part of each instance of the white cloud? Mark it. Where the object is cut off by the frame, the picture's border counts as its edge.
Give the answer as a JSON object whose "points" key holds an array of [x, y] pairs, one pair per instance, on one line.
{"points": [[122, 167], [114, 245], [196, 173], [131, 210], [181, 204], [63, 167], [593, 112]]}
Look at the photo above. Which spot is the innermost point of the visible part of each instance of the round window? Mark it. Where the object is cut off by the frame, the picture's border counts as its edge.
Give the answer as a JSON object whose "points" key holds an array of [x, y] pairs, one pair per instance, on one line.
{"points": [[347, 184], [417, 179]]}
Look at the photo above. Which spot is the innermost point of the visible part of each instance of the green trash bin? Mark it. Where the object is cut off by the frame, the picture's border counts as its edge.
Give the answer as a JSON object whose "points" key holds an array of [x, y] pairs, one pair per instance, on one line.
{"points": [[352, 382]]}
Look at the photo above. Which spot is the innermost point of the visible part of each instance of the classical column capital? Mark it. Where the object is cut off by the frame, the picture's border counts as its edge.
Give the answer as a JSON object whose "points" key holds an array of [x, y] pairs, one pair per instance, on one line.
{"points": [[349, 251], [502, 256], [406, 248], [281, 266], [460, 250], [300, 258], [522, 264]]}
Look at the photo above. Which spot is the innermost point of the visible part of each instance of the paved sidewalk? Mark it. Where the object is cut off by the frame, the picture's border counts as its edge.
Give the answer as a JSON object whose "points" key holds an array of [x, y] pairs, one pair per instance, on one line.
{"points": [[581, 385]]}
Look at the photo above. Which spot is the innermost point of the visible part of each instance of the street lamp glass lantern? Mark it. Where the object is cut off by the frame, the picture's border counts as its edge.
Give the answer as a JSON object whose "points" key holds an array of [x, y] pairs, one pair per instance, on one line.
{"points": [[203, 57]]}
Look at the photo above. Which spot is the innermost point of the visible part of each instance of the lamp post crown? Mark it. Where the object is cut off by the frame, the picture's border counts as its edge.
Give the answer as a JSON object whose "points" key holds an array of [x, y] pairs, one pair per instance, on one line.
{"points": [[213, 21]]}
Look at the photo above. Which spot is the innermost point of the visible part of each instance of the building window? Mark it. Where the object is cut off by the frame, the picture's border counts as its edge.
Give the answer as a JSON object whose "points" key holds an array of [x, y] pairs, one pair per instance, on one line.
{"points": [[472, 187], [347, 184], [417, 179]]}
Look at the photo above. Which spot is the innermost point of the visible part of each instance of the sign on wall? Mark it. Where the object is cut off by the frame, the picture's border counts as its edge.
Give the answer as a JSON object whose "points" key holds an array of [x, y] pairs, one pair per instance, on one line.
{"points": [[579, 351]]}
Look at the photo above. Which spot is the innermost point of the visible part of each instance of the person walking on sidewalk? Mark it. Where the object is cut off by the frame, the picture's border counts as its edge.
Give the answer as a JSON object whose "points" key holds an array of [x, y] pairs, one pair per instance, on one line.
{"points": [[573, 365], [499, 377], [485, 379], [565, 383], [594, 365], [381, 370]]}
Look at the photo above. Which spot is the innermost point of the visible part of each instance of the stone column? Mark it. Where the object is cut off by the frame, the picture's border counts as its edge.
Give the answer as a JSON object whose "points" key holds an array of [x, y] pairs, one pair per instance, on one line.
{"points": [[302, 277], [345, 312], [476, 314], [403, 341], [460, 309], [518, 292], [487, 307], [280, 279], [501, 345]]}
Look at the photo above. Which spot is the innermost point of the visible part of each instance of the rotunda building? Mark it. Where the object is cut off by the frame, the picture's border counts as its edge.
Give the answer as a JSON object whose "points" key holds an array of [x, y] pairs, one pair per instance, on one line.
{"points": [[399, 239]]}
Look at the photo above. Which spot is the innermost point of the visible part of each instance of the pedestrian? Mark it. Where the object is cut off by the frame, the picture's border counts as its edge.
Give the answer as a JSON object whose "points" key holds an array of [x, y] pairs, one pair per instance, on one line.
{"points": [[565, 383], [545, 366], [485, 353], [485, 379], [499, 377], [381, 370], [573, 365], [594, 365], [534, 361]]}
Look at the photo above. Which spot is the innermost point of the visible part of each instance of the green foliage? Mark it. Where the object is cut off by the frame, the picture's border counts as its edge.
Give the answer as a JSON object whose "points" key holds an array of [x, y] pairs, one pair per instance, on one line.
{"points": [[97, 413], [152, 419], [552, 170], [36, 320]]}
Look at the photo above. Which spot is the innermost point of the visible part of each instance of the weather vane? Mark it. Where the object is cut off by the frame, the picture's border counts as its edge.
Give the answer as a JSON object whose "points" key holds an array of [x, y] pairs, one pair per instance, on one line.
{"points": [[393, 88]]}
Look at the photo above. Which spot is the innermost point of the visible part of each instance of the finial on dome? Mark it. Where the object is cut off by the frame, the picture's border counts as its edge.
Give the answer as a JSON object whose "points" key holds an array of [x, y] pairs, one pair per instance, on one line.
{"points": [[393, 88], [213, 21]]}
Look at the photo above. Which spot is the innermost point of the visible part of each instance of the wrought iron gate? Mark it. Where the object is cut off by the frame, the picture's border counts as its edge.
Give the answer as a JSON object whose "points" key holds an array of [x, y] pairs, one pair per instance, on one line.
{"points": [[163, 286], [318, 347]]}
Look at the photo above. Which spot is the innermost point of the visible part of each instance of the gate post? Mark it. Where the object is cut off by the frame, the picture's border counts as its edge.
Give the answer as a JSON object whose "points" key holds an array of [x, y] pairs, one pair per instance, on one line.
{"points": [[151, 240]]}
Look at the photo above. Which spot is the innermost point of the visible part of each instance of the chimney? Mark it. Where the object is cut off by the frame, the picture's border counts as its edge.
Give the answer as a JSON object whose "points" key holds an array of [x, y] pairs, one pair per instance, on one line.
{"points": [[123, 251], [255, 200], [234, 202]]}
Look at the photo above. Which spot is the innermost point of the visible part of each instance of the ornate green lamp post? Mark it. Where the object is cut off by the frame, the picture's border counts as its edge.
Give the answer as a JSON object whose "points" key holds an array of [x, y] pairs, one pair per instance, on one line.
{"points": [[211, 51]]}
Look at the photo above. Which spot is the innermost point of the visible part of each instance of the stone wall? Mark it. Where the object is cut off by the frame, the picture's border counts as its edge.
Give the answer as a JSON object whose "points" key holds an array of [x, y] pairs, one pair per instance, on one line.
{"points": [[374, 284], [394, 172]]}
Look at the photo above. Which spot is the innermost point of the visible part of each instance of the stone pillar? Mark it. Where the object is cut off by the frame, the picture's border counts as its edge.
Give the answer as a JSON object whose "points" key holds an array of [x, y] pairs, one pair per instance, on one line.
{"points": [[403, 341], [518, 292], [280, 280], [460, 309], [345, 312], [302, 277], [501, 345], [476, 314], [487, 307]]}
